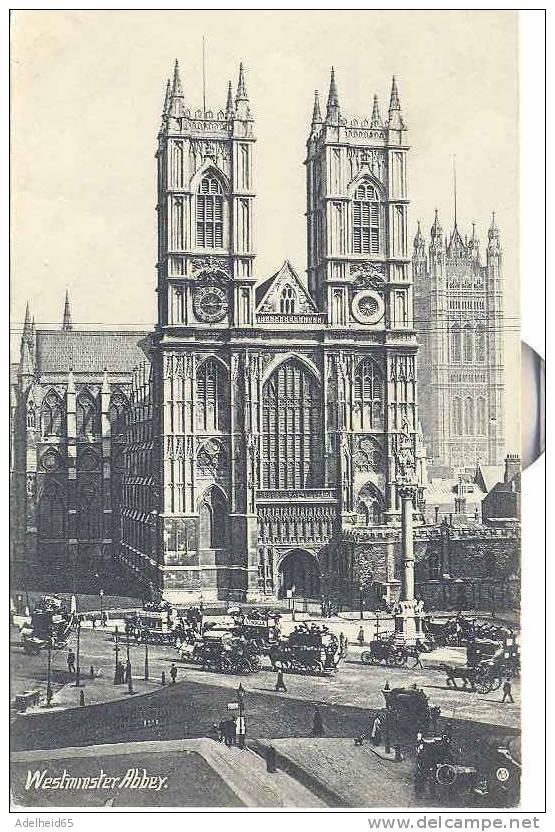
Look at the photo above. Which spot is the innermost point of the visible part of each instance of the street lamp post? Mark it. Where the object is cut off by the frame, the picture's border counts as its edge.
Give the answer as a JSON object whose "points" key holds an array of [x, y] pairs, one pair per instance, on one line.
{"points": [[146, 657], [116, 669], [241, 717], [361, 602], [101, 593], [78, 668], [128, 666], [292, 603], [49, 668]]}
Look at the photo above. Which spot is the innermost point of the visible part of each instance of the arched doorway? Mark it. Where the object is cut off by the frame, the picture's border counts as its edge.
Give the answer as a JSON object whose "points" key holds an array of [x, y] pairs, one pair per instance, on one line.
{"points": [[300, 570]]}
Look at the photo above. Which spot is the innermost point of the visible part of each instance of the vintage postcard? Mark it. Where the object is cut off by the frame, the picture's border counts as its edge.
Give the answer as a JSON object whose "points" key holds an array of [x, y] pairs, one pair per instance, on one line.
{"points": [[264, 397]]}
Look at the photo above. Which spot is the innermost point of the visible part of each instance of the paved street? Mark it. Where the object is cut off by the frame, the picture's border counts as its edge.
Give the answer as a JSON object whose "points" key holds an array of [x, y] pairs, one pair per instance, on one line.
{"points": [[188, 709]]}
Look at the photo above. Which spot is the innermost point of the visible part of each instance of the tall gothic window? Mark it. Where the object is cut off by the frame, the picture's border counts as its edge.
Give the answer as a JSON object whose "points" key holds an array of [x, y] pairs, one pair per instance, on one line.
{"points": [[456, 346], [212, 396], [456, 406], [51, 415], [86, 415], [117, 414], [52, 512], [213, 520], [468, 345], [368, 395], [287, 300], [469, 416], [291, 428], [369, 506], [366, 220], [480, 344], [210, 213], [88, 513], [481, 416]]}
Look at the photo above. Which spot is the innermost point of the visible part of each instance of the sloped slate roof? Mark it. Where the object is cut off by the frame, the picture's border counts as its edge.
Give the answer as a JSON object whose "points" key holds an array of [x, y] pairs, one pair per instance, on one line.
{"points": [[89, 352], [490, 474]]}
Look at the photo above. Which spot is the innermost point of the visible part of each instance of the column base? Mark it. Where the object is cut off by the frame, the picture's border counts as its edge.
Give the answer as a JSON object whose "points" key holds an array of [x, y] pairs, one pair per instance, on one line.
{"points": [[408, 623]]}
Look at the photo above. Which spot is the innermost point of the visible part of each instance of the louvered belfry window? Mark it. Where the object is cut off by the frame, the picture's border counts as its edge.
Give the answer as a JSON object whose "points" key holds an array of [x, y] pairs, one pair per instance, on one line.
{"points": [[368, 398], [212, 396], [366, 221], [291, 427], [210, 214]]}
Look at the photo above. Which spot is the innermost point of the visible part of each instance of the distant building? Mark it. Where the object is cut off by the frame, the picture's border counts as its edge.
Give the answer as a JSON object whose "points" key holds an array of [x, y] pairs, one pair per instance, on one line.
{"points": [[459, 319], [501, 505]]}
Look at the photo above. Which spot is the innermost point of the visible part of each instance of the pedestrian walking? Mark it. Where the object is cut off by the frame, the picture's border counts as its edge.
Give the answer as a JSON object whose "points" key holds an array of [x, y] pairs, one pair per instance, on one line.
{"points": [[507, 691], [103, 619], [91, 672], [341, 642], [434, 716], [173, 673], [317, 724], [376, 732], [280, 683], [360, 637], [82, 699], [163, 677], [93, 619], [71, 661]]}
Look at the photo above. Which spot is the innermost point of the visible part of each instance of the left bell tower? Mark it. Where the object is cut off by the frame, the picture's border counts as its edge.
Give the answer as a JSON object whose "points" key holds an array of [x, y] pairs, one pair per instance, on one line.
{"points": [[205, 211]]}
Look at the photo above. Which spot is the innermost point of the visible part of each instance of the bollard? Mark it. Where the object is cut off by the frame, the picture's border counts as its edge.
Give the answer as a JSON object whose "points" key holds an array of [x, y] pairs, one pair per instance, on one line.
{"points": [[271, 759]]}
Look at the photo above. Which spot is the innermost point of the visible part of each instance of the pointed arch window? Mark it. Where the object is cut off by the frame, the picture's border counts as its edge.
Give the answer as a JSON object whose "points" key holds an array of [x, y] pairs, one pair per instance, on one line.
{"points": [[456, 345], [117, 414], [212, 396], [469, 416], [51, 415], [291, 428], [457, 416], [366, 220], [213, 516], [287, 300], [88, 513], [480, 345], [468, 345], [481, 416], [369, 506], [368, 395], [210, 213], [86, 416], [52, 512]]}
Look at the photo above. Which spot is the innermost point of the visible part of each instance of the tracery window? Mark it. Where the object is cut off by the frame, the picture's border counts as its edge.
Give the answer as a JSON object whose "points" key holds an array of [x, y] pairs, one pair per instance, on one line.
{"points": [[480, 344], [52, 512], [212, 396], [369, 506], [210, 213], [457, 416], [51, 415], [86, 415], [117, 414], [368, 395], [468, 345], [481, 416], [456, 345], [469, 416], [287, 300], [366, 220], [291, 428], [88, 513]]}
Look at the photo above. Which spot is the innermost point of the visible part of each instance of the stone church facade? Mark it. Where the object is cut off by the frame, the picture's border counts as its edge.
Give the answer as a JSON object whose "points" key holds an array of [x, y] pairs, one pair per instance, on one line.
{"points": [[275, 414], [459, 318]]}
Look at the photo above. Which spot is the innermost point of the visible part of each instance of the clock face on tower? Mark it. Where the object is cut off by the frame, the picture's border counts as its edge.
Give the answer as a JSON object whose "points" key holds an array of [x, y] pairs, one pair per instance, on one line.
{"points": [[210, 304]]}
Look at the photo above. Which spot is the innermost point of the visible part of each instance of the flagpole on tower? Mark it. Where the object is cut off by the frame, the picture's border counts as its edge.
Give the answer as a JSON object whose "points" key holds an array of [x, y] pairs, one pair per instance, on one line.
{"points": [[203, 79]]}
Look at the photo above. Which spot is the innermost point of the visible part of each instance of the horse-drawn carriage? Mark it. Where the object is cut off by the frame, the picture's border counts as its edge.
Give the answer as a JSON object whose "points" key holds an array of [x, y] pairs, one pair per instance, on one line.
{"points": [[50, 625], [448, 632], [152, 625], [225, 654], [306, 650], [408, 710], [387, 652]]}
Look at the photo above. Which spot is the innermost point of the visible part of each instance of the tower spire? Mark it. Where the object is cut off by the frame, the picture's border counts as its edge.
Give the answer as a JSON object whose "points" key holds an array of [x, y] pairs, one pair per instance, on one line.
{"points": [[229, 107], [67, 325], [26, 335], [316, 112], [176, 103], [395, 120], [333, 110], [167, 98], [376, 120]]}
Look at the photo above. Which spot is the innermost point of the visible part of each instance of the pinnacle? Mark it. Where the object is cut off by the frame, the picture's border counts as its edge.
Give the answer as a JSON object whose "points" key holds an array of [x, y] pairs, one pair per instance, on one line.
{"points": [[67, 325], [376, 120], [333, 98], [241, 86], [229, 108], [177, 89], [394, 100], [316, 113], [167, 98]]}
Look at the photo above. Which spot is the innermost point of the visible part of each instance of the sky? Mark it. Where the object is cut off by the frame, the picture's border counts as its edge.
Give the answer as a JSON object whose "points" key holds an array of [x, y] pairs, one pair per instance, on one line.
{"points": [[87, 93]]}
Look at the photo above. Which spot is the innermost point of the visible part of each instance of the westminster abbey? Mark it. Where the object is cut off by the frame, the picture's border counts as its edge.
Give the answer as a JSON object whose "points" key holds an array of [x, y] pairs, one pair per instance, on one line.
{"points": [[256, 442]]}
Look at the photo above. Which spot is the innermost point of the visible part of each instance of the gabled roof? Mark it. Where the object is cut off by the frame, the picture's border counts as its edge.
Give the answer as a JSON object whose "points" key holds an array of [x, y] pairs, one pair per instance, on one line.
{"points": [[489, 475], [268, 292], [88, 352]]}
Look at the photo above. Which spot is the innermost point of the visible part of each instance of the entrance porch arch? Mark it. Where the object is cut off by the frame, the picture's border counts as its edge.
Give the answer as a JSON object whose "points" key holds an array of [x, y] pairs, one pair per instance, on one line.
{"points": [[299, 569]]}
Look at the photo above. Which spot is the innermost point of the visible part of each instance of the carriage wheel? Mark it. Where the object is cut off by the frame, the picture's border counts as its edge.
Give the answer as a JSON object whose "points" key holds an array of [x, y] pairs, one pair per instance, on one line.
{"points": [[367, 657], [483, 685], [411, 661], [397, 659], [496, 683]]}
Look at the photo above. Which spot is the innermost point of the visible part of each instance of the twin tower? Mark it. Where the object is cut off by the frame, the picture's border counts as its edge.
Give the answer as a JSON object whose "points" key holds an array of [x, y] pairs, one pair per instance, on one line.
{"points": [[284, 410]]}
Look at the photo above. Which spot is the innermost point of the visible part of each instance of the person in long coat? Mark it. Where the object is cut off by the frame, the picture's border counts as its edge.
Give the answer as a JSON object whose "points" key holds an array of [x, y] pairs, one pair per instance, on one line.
{"points": [[317, 724]]}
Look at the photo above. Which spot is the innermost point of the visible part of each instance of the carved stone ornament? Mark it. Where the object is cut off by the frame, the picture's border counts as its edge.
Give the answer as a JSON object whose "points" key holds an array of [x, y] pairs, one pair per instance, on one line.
{"points": [[368, 307], [404, 456]]}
